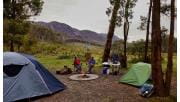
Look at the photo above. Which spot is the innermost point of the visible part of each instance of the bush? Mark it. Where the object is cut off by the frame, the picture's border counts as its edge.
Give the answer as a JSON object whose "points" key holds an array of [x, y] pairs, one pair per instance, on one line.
{"points": [[135, 60], [64, 57], [45, 48]]}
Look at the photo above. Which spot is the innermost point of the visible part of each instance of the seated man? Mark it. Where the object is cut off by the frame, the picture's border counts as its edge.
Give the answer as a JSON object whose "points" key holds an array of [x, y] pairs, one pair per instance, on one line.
{"points": [[91, 63], [77, 64], [115, 58], [65, 71]]}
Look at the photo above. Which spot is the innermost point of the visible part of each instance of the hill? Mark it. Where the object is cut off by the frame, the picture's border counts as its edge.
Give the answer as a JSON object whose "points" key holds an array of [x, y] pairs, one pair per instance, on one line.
{"points": [[72, 34]]}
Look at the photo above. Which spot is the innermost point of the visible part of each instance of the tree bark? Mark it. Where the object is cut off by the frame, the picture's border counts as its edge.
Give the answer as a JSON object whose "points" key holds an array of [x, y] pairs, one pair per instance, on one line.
{"points": [[126, 30], [170, 50], [147, 33], [13, 17], [12, 45], [157, 74], [111, 31]]}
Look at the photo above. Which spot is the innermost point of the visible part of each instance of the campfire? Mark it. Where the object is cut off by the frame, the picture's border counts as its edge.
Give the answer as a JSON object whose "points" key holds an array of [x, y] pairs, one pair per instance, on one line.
{"points": [[83, 76]]}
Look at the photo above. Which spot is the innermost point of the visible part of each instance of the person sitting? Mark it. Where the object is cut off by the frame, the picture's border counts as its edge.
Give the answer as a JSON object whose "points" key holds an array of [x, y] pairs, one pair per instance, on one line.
{"points": [[77, 64], [115, 58], [64, 71], [91, 63]]}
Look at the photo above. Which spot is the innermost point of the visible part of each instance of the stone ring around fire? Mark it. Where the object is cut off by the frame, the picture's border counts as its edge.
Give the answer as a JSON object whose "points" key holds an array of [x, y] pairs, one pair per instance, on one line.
{"points": [[83, 77]]}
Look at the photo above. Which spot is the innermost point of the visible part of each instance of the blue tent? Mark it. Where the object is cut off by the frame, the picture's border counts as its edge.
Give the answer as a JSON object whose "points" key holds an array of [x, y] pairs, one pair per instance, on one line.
{"points": [[24, 77]]}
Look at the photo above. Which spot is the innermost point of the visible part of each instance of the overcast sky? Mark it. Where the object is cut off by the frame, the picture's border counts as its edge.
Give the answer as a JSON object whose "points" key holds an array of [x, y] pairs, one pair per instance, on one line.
{"points": [[90, 14]]}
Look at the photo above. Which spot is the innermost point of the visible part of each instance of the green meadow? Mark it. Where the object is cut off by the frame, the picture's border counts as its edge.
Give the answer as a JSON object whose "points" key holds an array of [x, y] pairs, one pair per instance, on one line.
{"points": [[54, 55]]}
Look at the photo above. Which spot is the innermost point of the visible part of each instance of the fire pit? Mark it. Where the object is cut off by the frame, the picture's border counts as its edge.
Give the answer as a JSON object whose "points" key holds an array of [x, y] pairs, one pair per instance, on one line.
{"points": [[83, 77]]}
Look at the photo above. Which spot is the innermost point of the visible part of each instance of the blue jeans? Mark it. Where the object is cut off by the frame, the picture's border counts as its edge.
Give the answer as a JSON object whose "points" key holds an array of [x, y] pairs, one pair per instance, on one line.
{"points": [[90, 68]]}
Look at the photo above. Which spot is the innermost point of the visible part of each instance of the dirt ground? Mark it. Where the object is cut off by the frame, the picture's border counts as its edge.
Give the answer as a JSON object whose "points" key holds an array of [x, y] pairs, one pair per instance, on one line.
{"points": [[103, 89]]}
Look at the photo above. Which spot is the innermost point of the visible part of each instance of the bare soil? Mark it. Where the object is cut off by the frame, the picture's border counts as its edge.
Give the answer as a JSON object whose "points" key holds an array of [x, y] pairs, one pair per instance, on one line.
{"points": [[104, 89]]}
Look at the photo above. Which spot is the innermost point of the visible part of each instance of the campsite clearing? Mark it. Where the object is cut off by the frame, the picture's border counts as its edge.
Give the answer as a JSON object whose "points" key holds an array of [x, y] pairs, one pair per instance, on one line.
{"points": [[103, 89]]}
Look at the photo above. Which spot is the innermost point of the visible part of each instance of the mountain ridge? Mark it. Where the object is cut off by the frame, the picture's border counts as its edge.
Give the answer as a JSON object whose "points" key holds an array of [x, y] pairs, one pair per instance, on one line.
{"points": [[74, 34]]}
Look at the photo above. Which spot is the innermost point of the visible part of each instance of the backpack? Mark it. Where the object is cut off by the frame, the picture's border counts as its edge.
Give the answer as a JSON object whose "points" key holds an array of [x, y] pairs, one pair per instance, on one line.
{"points": [[146, 90]]}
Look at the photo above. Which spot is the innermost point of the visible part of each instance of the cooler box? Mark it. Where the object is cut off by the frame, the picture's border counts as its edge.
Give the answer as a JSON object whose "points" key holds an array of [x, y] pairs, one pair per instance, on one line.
{"points": [[106, 68]]}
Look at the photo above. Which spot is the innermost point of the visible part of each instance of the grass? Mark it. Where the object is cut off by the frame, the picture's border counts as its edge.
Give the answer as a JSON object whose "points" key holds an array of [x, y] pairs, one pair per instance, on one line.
{"points": [[164, 64], [163, 99], [53, 63], [55, 56], [63, 54]]}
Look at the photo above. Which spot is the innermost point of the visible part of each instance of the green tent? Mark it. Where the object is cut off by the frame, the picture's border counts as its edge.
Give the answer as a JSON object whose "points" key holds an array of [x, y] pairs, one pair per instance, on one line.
{"points": [[137, 75]]}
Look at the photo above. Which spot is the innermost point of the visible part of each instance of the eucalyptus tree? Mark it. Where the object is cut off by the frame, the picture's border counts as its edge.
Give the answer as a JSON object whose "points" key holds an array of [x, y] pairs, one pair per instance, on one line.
{"points": [[157, 74], [169, 10], [112, 25], [170, 50], [162, 82], [17, 12], [145, 24], [125, 14]]}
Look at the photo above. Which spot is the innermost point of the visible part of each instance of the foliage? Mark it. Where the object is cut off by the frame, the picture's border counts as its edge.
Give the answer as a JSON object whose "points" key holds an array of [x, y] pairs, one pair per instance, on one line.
{"points": [[25, 34], [64, 57], [28, 42], [56, 55], [15, 26], [135, 48], [125, 14], [15, 13], [14, 30], [165, 40], [45, 34], [45, 48], [117, 47], [125, 10], [143, 24], [21, 9], [166, 8]]}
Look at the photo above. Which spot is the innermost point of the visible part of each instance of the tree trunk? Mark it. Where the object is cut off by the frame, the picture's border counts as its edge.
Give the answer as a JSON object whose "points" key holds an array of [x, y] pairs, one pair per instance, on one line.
{"points": [[125, 57], [170, 50], [12, 45], [126, 30], [125, 54], [147, 33], [13, 17], [157, 74], [111, 31], [19, 47]]}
